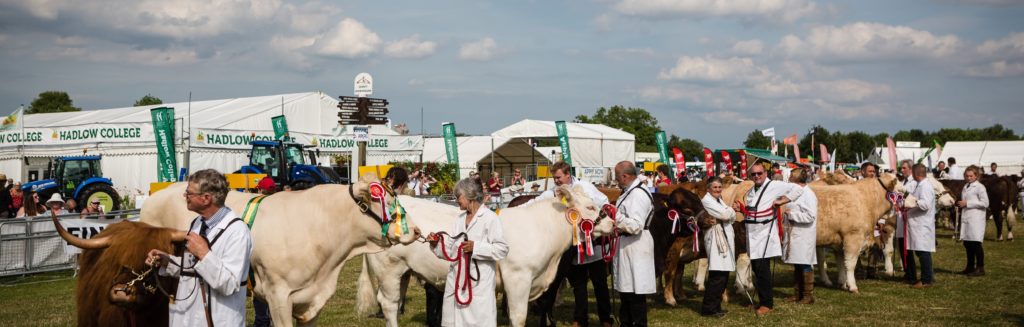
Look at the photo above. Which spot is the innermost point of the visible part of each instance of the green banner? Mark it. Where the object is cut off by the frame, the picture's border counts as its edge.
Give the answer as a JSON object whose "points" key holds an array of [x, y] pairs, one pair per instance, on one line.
{"points": [[451, 146], [163, 130], [663, 148], [563, 141], [280, 127]]}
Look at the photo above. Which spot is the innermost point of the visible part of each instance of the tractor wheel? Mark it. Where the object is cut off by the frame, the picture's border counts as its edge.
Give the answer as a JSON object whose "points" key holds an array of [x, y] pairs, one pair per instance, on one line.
{"points": [[105, 193]]}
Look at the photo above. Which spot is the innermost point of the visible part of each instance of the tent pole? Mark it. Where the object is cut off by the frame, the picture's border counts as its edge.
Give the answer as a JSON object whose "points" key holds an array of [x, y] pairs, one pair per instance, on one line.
{"points": [[188, 144]]}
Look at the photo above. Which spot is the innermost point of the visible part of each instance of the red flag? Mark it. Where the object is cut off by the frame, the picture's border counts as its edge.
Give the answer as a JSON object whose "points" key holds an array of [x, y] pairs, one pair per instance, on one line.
{"points": [[892, 153], [680, 159], [790, 140], [728, 161], [743, 164], [709, 162], [824, 153], [796, 152]]}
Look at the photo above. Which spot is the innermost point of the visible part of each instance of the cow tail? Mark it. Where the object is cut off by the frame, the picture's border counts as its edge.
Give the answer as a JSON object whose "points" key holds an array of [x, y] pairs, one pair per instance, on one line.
{"points": [[366, 295]]}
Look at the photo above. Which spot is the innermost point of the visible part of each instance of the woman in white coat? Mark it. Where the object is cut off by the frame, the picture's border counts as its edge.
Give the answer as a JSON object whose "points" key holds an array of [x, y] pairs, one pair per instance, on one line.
{"points": [[973, 201], [718, 241], [798, 249], [485, 245]]}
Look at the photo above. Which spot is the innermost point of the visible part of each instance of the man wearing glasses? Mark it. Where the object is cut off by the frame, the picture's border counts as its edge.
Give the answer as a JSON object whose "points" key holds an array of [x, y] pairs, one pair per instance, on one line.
{"points": [[211, 288], [761, 219]]}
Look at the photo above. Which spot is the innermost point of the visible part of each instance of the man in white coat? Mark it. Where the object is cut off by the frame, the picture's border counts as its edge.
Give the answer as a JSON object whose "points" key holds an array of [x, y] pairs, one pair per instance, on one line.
{"points": [[211, 288], [634, 262], [762, 221], [801, 238], [920, 205], [955, 172], [592, 267]]}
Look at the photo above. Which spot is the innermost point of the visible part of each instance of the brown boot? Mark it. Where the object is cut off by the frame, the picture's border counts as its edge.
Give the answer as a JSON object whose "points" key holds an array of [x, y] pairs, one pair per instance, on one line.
{"points": [[808, 297], [798, 287]]}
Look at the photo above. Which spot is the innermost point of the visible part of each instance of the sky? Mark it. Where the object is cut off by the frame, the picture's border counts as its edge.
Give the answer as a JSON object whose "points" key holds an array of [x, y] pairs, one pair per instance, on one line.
{"points": [[710, 70]]}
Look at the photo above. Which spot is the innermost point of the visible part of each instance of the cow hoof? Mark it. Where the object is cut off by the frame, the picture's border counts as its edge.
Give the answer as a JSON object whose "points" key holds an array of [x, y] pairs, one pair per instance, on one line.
{"points": [[670, 302], [855, 291], [700, 288]]}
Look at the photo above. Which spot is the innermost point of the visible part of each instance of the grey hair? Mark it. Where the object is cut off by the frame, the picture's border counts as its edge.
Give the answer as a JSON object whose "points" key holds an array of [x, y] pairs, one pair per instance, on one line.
{"points": [[213, 182], [470, 189], [630, 170], [908, 162]]}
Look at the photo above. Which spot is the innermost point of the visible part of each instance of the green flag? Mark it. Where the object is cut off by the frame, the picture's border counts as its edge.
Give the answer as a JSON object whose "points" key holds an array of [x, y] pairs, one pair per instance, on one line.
{"points": [[451, 146], [563, 141], [662, 148], [163, 129], [280, 127]]}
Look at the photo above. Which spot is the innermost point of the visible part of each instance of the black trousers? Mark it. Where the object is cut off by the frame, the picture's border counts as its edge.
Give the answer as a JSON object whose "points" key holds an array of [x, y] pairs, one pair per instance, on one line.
{"points": [[546, 301], [434, 302], [633, 312], [763, 281], [975, 255], [713, 288], [597, 272]]}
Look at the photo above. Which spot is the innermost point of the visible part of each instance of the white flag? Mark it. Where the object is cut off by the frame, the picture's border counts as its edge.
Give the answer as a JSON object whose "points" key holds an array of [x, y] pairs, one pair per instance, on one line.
{"points": [[768, 132], [13, 121]]}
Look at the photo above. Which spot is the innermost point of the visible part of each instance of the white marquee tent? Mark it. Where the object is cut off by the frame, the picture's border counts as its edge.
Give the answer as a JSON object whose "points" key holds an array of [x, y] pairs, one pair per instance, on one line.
{"points": [[905, 153], [217, 132], [477, 153], [1008, 155], [590, 145]]}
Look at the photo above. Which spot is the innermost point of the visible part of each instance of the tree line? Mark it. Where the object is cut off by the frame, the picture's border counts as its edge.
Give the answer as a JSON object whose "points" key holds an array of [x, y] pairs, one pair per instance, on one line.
{"points": [[60, 101], [852, 144]]}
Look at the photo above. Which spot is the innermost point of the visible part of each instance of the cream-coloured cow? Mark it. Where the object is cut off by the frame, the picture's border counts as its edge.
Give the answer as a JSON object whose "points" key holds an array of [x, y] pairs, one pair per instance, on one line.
{"points": [[537, 235], [301, 239]]}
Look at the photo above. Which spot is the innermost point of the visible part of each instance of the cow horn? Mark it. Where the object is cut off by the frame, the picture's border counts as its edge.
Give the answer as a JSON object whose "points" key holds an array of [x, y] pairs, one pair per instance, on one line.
{"points": [[95, 244]]}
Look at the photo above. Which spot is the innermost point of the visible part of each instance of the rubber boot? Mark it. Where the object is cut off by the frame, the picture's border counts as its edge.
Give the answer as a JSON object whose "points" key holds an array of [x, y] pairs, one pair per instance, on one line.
{"points": [[808, 297], [798, 281]]}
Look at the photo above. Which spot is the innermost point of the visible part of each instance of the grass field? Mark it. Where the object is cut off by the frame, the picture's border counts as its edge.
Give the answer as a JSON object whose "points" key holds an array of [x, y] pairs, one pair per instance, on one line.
{"points": [[994, 300]]}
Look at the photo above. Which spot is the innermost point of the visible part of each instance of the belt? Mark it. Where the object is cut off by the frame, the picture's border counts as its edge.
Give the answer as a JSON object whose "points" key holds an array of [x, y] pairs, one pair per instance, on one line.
{"points": [[195, 275], [751, 221]]}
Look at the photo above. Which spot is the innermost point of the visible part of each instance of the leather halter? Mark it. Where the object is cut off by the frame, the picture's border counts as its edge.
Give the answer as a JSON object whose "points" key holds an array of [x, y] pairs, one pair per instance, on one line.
{"points": [[364, 205]]}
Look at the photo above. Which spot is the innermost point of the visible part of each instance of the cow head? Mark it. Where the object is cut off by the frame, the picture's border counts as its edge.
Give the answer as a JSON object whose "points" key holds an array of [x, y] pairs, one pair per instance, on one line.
{"points": [[383, 203], [113, 276], [891, 183], [943, 198], [576, 198]]}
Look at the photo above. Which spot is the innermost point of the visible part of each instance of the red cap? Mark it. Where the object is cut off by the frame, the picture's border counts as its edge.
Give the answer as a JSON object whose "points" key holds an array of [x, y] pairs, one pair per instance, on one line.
{"points": [[266, 183]]}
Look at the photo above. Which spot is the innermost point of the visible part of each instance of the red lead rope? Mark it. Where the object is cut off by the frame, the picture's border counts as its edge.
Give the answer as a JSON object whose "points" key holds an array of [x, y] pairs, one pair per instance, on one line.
{"points": [[611, 243], [462, 278], [766, 213], [901, 214]]}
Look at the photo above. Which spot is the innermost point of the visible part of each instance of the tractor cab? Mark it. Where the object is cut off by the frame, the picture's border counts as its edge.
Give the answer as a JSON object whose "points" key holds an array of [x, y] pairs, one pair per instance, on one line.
{"points": [[79, 178], [286, 164]]}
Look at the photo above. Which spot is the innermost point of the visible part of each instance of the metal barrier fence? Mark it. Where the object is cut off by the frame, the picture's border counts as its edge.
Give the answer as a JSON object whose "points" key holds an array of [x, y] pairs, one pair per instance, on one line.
{"points": [[31, 245]]}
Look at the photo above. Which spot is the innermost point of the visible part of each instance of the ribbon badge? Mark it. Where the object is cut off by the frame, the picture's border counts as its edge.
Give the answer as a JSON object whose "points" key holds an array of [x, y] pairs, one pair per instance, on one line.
{"points": [[692, 225], [586, 248], [673, 215], [377, 193]]}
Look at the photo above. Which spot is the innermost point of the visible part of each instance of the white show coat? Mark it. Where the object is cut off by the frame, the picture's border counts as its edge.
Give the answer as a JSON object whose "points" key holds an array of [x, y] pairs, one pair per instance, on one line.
{"points": [[224, 270], [802, 229], [763, 238], [921, 219], [599, 200], [634, 263], [721, 232], [973, 216], [955, 172], [489, 247]]}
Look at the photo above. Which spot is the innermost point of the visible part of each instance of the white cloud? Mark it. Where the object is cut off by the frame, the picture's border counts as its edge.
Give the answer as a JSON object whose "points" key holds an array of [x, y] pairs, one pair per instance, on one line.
{"points": [[712, 69], [630, 53], [748, 47], [348, 39], [410, 47], [70, 40], [747, 10], [869, 41], [603, 23], [482, 50], [118, 54], [1011, 46], [988, 2], [733, 118], [999, 58], [997, 69]]}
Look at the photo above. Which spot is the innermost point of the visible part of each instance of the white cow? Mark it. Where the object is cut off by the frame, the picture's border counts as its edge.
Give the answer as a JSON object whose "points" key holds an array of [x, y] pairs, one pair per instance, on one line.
{"points": [[537, 236], [301, 239]]}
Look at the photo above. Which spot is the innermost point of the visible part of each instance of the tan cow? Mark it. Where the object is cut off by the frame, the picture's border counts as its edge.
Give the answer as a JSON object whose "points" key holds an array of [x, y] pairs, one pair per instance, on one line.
{"points": [[301, 239]]}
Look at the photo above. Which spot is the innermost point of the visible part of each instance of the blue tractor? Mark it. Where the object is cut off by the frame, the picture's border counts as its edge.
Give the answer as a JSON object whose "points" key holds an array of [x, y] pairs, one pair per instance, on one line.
{"points": [[285, 163], [79, 178]]}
